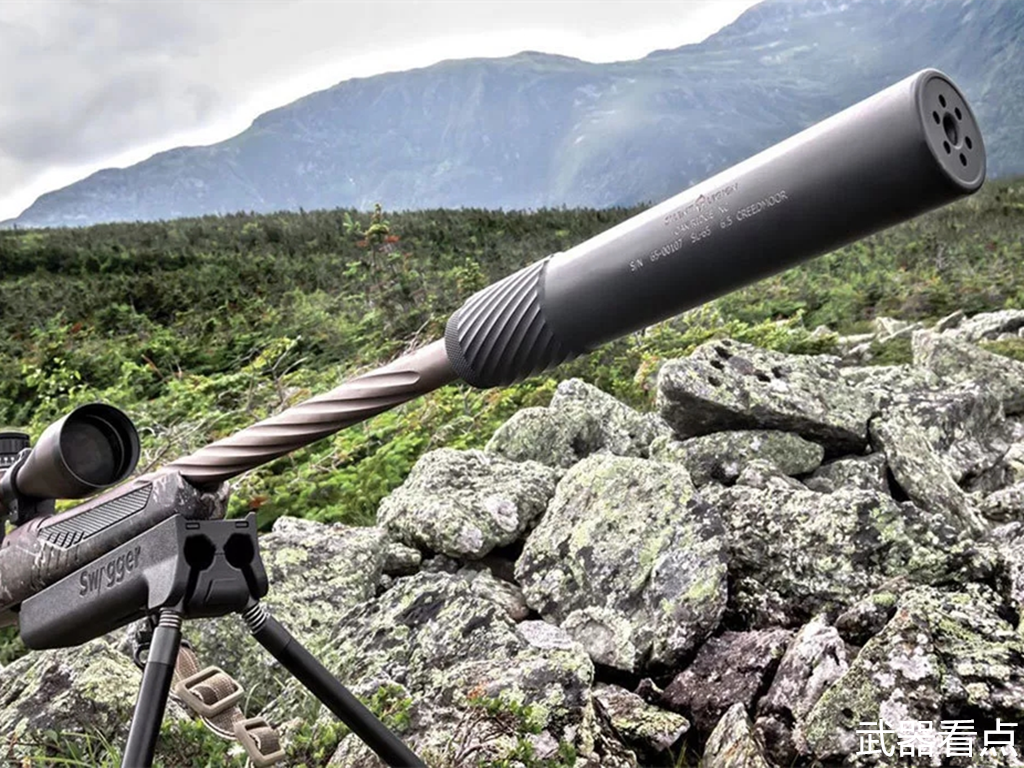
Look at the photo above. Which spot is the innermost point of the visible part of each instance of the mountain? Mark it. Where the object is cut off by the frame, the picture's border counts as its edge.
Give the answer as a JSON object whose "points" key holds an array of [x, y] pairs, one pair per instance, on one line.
{"points": [[536, 130]]}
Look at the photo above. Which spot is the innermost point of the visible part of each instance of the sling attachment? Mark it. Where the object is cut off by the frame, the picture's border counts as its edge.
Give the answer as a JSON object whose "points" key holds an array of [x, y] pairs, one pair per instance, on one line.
{"points": [[214, 697]]}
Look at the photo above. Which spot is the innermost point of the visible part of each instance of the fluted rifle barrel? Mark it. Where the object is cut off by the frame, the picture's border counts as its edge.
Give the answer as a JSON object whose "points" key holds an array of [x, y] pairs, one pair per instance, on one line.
{"points": [[906, 150]]}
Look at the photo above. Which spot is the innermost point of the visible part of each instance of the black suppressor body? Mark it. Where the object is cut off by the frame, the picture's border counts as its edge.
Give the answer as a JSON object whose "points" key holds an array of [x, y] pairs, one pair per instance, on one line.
{"points": [[905, 150]]}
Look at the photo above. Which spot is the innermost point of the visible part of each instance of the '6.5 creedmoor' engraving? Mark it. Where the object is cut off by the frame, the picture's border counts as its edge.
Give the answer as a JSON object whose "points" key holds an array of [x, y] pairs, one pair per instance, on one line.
{"points": [[110, 573]]}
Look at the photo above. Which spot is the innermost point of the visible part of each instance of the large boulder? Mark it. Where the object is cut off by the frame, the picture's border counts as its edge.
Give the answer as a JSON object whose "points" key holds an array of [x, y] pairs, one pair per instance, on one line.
{"points": [[726, 385], [958, 361], [466, 503], [579, 421], [638, 723], [56, 701], [944, 656], [733, 743], [889, 383], [985, 325], [466, 668], [316, 571], [630, 537], [793, 554], [934, 441], [721, 456], [816, 658], [734, 667], [868, 473]]}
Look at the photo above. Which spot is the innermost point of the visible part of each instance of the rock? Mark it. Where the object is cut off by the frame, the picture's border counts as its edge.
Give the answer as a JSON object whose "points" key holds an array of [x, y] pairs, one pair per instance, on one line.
{"points": [[793, 554], [933, 441], [958, 361], [509, 596], [1004, 505], [988, 325], [885, 384], [55, 696], [733, 743], [813, 661], [400, 560], [816, 658], [759, 473], [721, 456], [453, 651], [890, 326], [1006, 471], [732, 668], [637, 722], [580, 420], [554, 438], [465, 503], [943, 656], [869, 615], [624, 431], [607, 635], [864, 472], [1009, 542], [949, 322], [316, 571], [629, 536], [725, 385]]}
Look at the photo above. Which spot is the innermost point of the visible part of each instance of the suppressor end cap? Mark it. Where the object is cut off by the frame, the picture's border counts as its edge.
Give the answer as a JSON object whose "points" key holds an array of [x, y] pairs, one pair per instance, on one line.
{"points": [[951, 130]]}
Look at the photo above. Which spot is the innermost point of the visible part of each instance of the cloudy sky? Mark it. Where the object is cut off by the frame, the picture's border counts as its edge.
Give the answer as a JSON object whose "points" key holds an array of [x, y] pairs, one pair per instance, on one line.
{"points": [[87, 84]]}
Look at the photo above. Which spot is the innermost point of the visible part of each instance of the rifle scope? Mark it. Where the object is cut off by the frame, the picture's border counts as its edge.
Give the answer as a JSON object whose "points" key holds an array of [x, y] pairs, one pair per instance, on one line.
{"points": [[906, 150], [91, 448]]}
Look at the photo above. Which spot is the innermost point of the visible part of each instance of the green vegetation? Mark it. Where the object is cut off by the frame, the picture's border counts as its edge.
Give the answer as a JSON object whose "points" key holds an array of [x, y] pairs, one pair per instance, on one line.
{"points": [[198, 327]]}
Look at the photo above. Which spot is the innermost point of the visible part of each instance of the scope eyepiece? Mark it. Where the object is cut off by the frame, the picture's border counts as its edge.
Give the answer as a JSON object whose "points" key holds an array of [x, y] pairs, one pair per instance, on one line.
{"points": [[93, 447]]}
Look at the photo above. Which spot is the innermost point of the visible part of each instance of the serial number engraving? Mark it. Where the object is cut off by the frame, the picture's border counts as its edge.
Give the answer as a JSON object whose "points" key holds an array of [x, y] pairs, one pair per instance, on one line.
{"points": [[698, 220], [107, 575]]}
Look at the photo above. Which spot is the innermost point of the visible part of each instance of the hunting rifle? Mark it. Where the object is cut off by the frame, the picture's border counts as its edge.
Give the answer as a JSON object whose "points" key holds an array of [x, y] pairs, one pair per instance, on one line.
{"points": [[125, 554]]}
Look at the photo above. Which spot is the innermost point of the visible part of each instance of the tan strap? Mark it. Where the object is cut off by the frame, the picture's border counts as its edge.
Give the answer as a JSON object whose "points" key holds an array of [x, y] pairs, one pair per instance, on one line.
{"points": [[213, 695]]}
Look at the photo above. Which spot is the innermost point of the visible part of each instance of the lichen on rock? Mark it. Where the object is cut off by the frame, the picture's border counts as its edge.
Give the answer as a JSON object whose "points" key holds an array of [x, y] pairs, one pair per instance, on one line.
{"points": [[943, 656], [629, 536], [721, 456], [793, 554], [466, 503], [579, 421], [726, 385]]}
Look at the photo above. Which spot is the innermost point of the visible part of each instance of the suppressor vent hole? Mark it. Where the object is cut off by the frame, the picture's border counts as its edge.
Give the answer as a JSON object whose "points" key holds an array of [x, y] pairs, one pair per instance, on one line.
{"points": [[935, 116], [945, 146], [949, 126], [959, 115], [963, 160], [968, 142], [942, 100]]}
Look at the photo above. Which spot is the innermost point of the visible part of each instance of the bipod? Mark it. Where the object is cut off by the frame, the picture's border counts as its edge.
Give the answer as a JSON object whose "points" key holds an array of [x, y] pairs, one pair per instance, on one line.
{"points": [[185, 569]]}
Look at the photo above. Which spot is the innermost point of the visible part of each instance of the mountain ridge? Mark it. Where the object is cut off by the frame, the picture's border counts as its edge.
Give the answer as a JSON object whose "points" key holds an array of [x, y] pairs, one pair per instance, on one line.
{"points": [[539, 130]]}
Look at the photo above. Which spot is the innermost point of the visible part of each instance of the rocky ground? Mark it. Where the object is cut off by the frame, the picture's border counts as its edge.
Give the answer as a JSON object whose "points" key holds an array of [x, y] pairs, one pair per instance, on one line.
{"points": [[789, 548]]}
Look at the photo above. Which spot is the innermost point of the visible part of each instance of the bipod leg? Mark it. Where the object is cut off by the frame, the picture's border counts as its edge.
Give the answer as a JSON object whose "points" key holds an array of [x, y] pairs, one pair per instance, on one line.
{"points": [[156, 684], [321, 683]]}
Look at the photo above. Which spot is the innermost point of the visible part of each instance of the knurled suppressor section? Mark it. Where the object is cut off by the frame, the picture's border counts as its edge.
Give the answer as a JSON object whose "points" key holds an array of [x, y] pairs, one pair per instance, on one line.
{"points": [[500, 335]]}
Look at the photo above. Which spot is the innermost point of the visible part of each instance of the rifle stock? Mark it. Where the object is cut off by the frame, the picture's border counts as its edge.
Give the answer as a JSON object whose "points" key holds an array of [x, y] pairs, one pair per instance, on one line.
{"points": [[906, 150]]}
